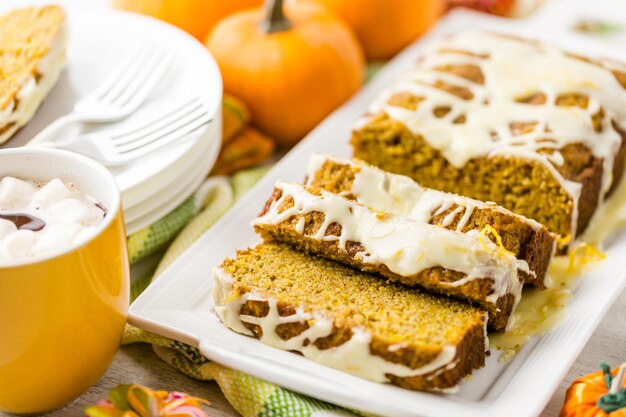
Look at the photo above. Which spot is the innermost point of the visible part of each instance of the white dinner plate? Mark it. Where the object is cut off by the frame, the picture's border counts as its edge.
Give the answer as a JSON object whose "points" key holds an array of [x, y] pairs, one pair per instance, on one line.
{"points": [[179, 305], [197, 166], [98, 40], [170, 198], [176, 191]]}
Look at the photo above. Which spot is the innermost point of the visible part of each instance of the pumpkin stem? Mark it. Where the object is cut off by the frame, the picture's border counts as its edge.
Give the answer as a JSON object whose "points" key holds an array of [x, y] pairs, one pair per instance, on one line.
{"points": [[615, 398], [617, 383], [275, 19]]}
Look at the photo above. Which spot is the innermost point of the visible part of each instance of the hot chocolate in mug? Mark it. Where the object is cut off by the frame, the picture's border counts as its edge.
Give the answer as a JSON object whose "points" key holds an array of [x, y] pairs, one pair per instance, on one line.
{"points": [[62, 314]]}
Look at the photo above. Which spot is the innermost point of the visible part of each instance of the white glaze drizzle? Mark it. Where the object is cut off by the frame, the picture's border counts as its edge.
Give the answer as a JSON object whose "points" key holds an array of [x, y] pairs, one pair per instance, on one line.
{"points": [[300, 226], [402, 196], [513, 69], [467, 213], [439, 371], [403, 245], [353, 356], [447, 221]]}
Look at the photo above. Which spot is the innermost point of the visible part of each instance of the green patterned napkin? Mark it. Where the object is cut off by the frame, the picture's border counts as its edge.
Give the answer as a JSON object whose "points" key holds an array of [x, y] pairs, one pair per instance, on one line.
{"points": [[250, 396]]}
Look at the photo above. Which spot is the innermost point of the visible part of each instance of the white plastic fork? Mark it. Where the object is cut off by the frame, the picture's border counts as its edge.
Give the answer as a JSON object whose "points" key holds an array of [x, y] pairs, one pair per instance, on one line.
{"points": [[117, 148], [120, 94]]}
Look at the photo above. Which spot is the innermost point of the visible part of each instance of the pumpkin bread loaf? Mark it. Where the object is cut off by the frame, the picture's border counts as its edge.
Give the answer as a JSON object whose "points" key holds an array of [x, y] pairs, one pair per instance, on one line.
{"points": [[467, 266], [533, 128], [346, 319], [33, 42], [367, 185]]}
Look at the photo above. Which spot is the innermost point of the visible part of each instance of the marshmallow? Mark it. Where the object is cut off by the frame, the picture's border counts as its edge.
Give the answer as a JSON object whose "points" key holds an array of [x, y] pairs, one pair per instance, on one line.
{"points": [[19, 245], [70, 218], [51, 193], [6, 227], [14, 193]]}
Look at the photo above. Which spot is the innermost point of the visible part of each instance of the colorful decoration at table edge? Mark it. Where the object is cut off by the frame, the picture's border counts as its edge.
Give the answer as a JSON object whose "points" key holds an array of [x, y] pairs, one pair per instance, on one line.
{"points": [[139, 401], [599, 394]]}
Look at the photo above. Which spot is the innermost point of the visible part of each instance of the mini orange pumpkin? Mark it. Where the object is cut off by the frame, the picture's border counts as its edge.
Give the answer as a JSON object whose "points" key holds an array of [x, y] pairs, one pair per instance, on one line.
{"points": [[291, 66], [499, 7], [194, 16], [600, 394], [384, 27]]}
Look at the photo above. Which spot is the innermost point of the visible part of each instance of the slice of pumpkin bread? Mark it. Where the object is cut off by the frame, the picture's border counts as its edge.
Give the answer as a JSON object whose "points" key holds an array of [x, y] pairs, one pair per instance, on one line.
{"points": [[347, 320], [33, 44], [525, 124], [467, 266], [525, 238]]}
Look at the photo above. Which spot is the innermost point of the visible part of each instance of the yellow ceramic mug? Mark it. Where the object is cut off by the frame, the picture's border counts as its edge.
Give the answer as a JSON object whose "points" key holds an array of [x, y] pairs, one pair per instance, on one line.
{"points": [[62, 317]]}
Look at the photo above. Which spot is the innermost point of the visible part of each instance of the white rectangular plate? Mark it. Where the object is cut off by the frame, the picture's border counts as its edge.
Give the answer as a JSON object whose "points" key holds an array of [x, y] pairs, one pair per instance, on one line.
{"points": [[178, 304]]}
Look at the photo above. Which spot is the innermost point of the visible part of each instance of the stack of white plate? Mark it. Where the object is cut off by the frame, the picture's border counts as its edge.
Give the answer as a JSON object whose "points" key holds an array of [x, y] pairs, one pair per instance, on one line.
{"points": [[99, 40], [157, 185]]}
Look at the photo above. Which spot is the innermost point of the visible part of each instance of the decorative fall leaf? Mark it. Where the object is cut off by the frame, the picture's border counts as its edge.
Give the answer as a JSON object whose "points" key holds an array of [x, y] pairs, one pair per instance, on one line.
{"points": [[140, 401]]}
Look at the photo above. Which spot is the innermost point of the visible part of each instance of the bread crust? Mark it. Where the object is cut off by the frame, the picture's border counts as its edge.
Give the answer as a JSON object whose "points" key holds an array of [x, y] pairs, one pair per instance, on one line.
{"points": [[434, 279], [30, 31], [532, 243], [523, 186], [470, 351]]}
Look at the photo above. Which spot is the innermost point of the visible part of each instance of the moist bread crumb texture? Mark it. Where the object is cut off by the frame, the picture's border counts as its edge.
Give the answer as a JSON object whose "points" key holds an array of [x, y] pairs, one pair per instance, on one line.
{"points": [[394, 247], [343, 277], [465, 146], [466, 121], [407, 326], [33, 43], [367, 185], [26, 36]]}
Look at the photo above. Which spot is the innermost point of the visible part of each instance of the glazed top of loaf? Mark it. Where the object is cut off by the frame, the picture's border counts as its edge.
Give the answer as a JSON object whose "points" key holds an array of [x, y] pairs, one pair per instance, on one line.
{"points": [[298, 288], [405, 246], [478, 94], [401, 195]]}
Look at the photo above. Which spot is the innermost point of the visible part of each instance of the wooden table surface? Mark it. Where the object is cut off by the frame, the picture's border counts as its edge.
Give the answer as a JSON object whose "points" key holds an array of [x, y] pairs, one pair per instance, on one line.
{"points": [[138, 364]]}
